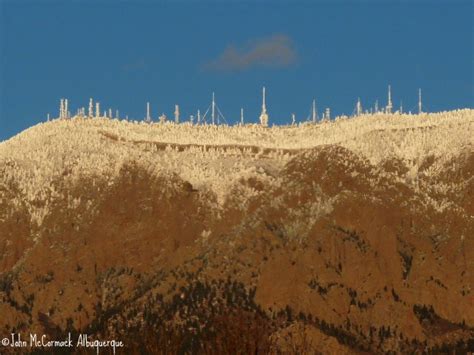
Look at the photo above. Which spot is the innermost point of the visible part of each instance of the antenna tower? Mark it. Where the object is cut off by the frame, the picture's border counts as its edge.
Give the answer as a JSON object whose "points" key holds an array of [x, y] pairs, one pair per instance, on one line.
{"points": [[213, 107], [148, 118], [389, 101], [315, 115], [264, 115], [213, 114], [420, 106], [176, 113], [358, 107]]}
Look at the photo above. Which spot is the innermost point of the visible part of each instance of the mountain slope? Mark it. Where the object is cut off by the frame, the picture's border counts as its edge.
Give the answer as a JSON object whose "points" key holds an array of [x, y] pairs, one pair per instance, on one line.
{"points": [[343, 237]]}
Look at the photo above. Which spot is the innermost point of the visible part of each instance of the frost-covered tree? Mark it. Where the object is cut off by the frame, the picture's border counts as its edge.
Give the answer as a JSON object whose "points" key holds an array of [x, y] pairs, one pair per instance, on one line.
{"points": [[97, 109], [85, 152]]}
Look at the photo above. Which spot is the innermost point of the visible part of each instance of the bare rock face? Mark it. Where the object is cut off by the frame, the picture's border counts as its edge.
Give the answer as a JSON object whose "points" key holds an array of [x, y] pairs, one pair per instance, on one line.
{"points": [[322, 251]]}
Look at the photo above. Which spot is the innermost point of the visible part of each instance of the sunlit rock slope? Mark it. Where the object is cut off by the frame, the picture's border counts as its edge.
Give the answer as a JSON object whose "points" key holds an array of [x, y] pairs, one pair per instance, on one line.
{"points": [[350, 236]]}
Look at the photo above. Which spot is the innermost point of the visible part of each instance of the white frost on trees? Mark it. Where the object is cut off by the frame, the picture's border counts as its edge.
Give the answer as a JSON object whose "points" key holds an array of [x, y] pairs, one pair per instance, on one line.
{"points": [[99, 147]]}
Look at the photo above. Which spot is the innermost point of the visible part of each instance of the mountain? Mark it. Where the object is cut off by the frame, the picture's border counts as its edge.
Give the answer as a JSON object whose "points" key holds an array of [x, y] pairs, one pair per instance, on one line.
{"points": [[348, 236]]}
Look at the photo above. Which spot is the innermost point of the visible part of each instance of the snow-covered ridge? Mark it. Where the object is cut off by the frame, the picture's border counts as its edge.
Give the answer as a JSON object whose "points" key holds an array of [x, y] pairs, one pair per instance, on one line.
{"points": [[69, 149]]}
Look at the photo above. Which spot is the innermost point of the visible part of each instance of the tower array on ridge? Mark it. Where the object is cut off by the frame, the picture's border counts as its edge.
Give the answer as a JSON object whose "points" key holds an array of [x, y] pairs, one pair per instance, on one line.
{"points": [[216, 114]]}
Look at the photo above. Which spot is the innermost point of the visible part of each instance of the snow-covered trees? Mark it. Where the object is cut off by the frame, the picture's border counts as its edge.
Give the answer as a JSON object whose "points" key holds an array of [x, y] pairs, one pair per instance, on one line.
{"points": [[89, 147]]}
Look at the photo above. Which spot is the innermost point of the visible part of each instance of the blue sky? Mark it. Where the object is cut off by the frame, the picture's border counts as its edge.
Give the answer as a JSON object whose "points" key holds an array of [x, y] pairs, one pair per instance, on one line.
{"points": [[125, 53]]}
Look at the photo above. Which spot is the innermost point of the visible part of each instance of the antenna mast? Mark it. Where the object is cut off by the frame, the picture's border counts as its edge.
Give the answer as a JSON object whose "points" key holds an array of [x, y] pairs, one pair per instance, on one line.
{"points": [[148, 112], [66, 110], [264, 115], [61, 108], [328, 113], [358, 107], [389, 103], [315, 115], [420, 107], [213, 112], [91, 108], [176, 113]]}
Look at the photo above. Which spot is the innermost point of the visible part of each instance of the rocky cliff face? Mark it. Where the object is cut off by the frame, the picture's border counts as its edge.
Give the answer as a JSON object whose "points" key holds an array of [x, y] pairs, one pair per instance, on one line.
{"points": [[311, 249]]}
